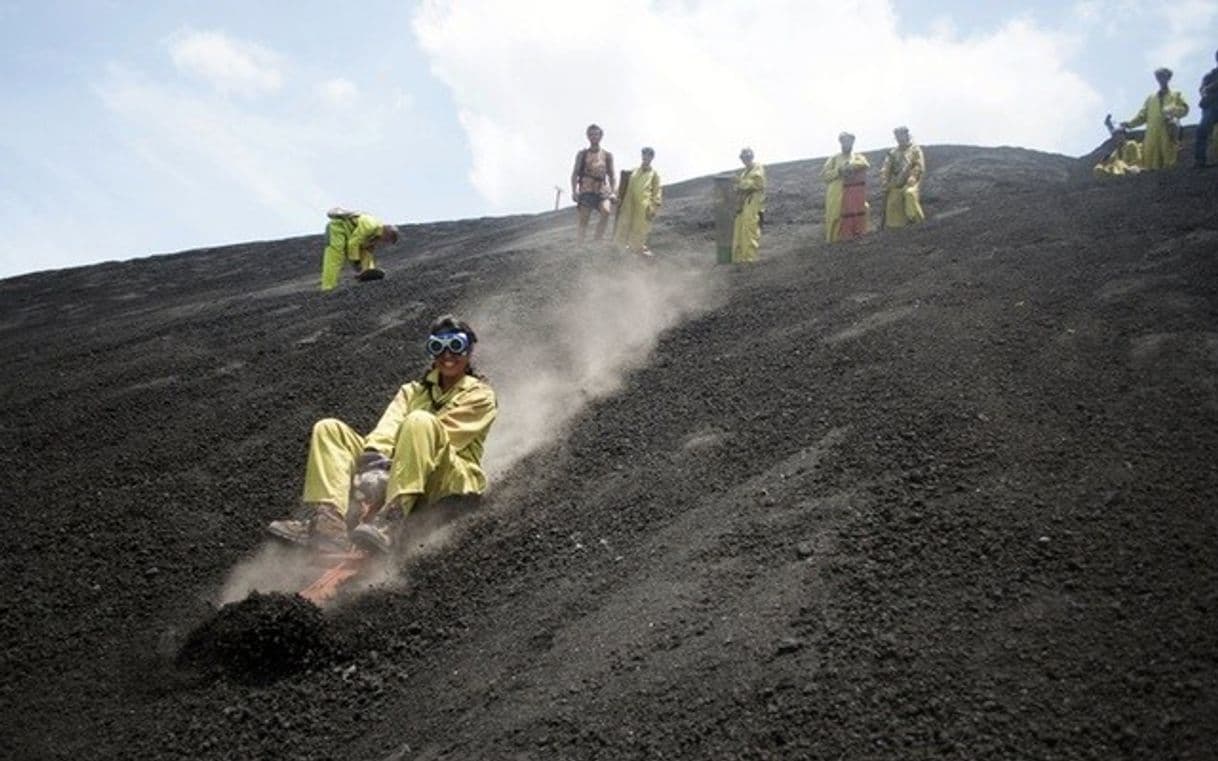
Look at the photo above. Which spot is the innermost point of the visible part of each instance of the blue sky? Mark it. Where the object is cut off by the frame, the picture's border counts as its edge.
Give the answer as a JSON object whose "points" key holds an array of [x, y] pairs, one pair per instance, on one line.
{"points": [[133, 128]]}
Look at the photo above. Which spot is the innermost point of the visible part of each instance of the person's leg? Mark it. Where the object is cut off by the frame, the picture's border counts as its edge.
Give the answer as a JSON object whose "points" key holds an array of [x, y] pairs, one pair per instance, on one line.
{"points": [[1201, 140], [333, 448], [913, 205], [894, 208], [605, 210], [424, 468], [319, 519], [584, 211], [333, 257]]}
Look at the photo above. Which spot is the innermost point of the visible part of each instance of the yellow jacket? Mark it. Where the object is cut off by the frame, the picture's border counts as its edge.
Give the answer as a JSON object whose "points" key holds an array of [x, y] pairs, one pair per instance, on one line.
{"points": [[1161, 114], [362, 232], [903, 167], [466, 410]]}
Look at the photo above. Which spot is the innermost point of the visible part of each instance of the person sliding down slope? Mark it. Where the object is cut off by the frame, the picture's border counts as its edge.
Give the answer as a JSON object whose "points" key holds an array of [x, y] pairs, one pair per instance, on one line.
{"points": [[429, 442]]}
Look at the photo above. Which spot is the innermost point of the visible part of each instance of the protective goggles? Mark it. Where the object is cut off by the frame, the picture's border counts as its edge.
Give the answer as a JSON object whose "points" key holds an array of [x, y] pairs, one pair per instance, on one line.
{"points": [[457, 343]]}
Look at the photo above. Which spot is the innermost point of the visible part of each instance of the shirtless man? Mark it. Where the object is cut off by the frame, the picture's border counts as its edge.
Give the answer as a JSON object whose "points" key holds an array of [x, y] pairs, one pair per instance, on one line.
{"points": [[593, 183]]}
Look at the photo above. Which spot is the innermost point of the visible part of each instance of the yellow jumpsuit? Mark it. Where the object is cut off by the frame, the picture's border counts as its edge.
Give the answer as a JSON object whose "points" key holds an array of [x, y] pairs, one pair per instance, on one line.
{"points": [[902, 205], [348, 239], [434, 438], [832, 174], [1161, 146], [746, 230], [1124, 159], [643, 197]]}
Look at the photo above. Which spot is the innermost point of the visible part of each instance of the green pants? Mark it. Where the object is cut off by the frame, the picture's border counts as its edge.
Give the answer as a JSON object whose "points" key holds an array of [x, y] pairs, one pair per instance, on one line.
{"points": [[424, 463], [336, 254], [903, 206]]}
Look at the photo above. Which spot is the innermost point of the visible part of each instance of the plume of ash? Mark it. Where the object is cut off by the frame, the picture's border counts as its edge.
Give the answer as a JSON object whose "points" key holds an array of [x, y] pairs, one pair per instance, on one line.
{"points": [[551, 348], [278, 568], [274, 568]]}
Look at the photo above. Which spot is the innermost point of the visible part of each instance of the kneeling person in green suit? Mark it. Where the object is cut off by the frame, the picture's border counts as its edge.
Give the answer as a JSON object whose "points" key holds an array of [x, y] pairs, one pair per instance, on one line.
{"points": [[351, 237]]}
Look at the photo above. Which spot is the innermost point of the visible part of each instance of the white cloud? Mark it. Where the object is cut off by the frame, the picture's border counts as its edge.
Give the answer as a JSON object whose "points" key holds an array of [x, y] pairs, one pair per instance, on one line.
{"points": [[215, 143], [1187, 31], [339, 92], [699, 80], [229, 65]]}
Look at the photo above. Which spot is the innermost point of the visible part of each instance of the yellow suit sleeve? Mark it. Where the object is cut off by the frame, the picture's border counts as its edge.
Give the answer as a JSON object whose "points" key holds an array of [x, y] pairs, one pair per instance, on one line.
{"points": [[751, 180], [367, 227], [469, 415], [1176, 106], [830, 171], [385, 435], [656, 196], [917, 166]]}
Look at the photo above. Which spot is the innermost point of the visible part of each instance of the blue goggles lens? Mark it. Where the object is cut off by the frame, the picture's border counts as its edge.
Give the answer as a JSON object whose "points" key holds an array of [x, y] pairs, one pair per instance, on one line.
{"points": [[457, 343]]}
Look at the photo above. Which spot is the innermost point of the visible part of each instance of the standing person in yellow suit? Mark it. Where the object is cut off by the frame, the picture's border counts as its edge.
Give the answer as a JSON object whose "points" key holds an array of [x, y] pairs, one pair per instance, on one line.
{"points": [[427, 446], [1125, 157], [901, 175], [845, 168], [1161, 113], [750, 209], [639, 207], [350, 237]]}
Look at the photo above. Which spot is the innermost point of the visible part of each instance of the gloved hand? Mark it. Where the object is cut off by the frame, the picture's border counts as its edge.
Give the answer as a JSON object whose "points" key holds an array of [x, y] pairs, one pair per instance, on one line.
{"points": [[370, 459]]}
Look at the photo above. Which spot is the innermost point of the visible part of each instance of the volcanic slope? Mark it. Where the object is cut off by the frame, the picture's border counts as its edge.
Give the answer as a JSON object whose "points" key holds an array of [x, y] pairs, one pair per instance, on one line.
{"points": [[943, 492]]}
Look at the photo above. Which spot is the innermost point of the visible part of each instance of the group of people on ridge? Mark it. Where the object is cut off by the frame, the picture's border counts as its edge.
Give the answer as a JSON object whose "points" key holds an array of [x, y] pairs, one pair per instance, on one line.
{"points": [[429, 441], [594, 188], [1161, 113]]}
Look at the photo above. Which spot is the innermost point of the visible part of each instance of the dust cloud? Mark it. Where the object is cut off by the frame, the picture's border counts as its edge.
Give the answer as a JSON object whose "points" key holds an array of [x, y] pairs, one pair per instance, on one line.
{"points": [[550, 349]]}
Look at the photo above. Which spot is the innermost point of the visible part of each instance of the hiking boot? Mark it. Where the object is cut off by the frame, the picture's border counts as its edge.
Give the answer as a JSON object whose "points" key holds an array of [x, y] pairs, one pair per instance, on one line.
{"points": [[329, 530], [311, 525], [381, 533]]}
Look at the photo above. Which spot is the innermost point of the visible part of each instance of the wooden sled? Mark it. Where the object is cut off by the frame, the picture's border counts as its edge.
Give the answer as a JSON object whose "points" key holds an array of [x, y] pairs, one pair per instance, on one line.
{"points": [[854, 206], [339, 569]]}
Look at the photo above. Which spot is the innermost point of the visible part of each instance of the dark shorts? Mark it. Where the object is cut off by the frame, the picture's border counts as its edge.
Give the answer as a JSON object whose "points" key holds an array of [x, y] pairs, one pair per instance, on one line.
{"points": [[590, 200]]}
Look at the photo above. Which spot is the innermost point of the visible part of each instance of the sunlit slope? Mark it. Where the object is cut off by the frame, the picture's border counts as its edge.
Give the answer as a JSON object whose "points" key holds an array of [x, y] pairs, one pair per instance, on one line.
{"points": [[942, 491]]}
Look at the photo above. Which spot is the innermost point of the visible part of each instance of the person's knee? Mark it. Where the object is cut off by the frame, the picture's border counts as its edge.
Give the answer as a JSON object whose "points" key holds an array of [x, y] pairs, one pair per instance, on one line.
{"points": [[327, 425], [420, 418]]}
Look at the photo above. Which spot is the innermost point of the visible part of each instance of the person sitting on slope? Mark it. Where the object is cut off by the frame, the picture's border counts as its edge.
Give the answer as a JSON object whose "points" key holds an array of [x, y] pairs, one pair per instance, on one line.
{"points": [[427, 446]]}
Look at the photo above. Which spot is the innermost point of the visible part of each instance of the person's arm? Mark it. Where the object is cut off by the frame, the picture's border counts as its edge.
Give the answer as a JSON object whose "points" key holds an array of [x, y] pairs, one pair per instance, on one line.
{"points": [[575, 174], [657, 195], [830, 171], [469, 415], [859, 161], [612, 173], [886, 170], [367, 227], [917, 166], [751, 181], [384, 437], [1176, 107]]}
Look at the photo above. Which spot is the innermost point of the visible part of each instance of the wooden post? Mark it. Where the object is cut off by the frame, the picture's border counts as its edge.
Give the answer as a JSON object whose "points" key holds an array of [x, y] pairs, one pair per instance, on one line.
{"points": [[726, 203], [557, 197]]}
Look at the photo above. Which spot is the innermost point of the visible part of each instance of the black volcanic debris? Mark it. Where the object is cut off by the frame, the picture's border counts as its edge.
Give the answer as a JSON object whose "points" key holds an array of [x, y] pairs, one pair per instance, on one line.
{"points": [[944, 492], [260, 639]]}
